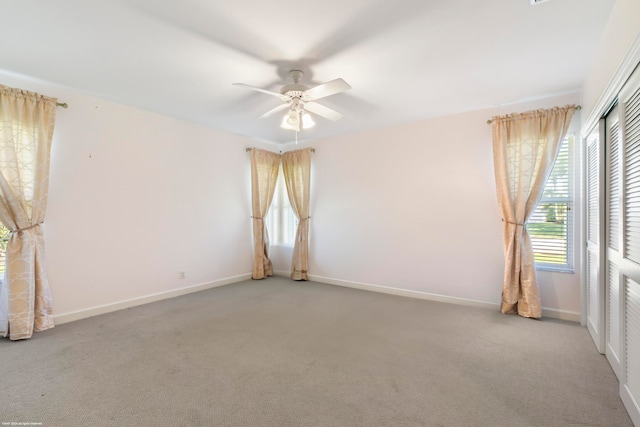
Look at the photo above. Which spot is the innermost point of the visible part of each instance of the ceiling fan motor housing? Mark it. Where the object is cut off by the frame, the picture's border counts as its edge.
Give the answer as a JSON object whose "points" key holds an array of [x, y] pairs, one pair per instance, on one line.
{"points": [[294, 90]]}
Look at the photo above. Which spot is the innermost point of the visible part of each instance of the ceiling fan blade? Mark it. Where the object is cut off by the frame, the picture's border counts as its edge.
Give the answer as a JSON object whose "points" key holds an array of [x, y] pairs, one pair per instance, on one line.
{"points": [[322, 111], [273, 110], [327, 89], [268, 92]]}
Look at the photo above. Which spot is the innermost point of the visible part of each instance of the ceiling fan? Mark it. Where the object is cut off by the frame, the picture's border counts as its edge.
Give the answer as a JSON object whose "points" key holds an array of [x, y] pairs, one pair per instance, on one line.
{"points": [[300, 99]]}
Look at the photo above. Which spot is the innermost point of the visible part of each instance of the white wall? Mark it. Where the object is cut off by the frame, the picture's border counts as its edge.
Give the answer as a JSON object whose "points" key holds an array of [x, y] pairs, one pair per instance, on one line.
{"points": [[136, 197], [621, 31], [414, 207]]}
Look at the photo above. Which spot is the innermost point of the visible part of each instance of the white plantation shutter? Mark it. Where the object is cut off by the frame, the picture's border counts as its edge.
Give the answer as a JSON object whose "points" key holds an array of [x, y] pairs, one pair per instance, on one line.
{"points": [[551, 224]]}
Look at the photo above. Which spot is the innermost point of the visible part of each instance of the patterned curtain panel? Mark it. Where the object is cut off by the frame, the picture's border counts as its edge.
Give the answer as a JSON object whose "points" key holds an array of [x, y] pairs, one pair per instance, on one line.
{"points": [[264, 174], [26, 129], [524, 149], [296, 166]]}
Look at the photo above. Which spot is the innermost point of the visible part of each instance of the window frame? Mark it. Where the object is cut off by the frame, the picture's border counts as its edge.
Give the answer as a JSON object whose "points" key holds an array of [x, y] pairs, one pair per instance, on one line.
{"points": [[571, 218]]}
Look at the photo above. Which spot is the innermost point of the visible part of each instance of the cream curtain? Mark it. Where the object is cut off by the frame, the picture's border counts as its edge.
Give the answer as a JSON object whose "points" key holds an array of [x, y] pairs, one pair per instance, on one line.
{"points": [[296, 166], [264, 174], [524, 148], [26, 130]]}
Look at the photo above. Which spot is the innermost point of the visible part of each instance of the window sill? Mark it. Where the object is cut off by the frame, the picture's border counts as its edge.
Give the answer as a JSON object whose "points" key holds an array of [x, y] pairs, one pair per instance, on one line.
{"points": [[553, 269]]}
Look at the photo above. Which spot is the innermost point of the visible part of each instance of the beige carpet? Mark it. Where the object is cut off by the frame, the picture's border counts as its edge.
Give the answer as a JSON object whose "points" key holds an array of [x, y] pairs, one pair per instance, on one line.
{"points": [[283, 353]]}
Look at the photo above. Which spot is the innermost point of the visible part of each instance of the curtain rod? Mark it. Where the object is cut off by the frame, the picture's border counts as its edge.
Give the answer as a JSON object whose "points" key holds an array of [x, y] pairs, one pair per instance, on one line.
{"points": [[313, 150], [63, 105], [577, 107]]}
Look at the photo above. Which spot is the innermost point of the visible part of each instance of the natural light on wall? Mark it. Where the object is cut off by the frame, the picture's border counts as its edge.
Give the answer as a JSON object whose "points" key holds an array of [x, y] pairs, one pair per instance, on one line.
{"points": [[281, 222]]}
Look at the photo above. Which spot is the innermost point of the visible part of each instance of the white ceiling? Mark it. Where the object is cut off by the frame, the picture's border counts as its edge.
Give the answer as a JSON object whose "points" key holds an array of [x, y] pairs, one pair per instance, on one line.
{"points": [[406, 60]]}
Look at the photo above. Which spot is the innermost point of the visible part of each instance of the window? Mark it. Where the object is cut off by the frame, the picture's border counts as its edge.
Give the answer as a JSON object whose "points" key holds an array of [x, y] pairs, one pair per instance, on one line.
{"points": [[4, 239], [551, 225], [281, 222]]}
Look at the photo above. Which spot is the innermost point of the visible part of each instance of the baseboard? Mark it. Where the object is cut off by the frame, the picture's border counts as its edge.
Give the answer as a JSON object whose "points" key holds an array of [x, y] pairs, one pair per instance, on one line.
{"points": [[554, 313], [282, 273], [546, 312], [120, 305]]}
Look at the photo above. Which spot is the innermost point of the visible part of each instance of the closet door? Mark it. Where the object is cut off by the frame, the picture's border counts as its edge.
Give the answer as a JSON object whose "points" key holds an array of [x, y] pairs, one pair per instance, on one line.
{"points": [[613, 277], [594, 288], [629, 116]]}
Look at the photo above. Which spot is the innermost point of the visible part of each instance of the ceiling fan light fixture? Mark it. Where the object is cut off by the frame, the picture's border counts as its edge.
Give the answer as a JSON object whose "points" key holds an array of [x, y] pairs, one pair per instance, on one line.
{"points": [[291, 121], [307, 121], [293, 118]]}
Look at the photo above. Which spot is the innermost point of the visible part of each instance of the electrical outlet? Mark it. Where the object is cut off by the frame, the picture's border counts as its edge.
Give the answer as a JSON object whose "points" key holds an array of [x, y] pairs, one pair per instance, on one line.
{"points": [[182, 275]]}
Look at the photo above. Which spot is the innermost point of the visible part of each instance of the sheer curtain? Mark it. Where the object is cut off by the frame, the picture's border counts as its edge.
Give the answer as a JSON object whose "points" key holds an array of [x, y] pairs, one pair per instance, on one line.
{"points": [[296, 166], [26, 130], [524, 148], [264, 175]]}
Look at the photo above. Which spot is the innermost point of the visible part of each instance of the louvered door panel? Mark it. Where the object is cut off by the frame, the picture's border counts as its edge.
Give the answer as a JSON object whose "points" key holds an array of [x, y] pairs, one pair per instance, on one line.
{"points": [[632, 343], [612, 178], [613, 184], [629, 264], [592, 291], [595, 288], [613, 318], [593, 178], [631, 128]]}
